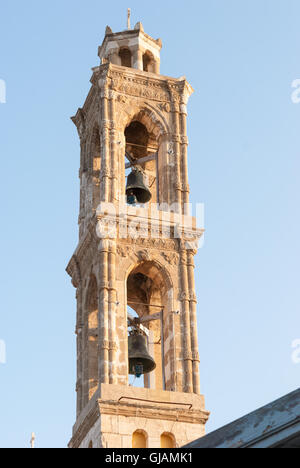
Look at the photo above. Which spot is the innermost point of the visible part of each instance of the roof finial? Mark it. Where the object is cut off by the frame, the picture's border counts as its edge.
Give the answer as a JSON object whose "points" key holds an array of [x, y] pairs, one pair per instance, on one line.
{"points": [[32, 441], [128, 18]]}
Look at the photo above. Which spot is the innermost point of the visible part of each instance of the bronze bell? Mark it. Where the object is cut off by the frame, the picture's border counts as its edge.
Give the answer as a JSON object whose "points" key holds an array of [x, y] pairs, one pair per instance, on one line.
{"points": [[136, 188], [140, 361]]}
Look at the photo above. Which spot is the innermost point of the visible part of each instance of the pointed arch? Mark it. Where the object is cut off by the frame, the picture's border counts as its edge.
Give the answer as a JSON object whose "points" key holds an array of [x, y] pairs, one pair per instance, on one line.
{"points": [[149, 62], [155, 127], [149, 116], [149, 291], [94, 159], [151, 265]]}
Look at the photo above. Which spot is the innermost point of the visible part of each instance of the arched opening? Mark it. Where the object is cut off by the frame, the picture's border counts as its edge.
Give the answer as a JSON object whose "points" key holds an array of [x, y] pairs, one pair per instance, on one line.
{"points": [[92, 338], [94, 163], [139, 440], [148, 62], [148, 295], [137, 139], [91, 445], [125, 57], [141, 151], [134, 381], [167, 441]]}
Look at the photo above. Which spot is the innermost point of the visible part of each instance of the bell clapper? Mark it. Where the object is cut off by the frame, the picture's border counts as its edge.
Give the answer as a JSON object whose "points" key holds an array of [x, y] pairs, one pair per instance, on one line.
{"points": [[131, 199], [137, 189]]}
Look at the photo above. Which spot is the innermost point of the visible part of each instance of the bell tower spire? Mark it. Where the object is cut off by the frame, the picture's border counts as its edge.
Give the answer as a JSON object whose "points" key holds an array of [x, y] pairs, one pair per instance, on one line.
{"points": [[138, 381]]}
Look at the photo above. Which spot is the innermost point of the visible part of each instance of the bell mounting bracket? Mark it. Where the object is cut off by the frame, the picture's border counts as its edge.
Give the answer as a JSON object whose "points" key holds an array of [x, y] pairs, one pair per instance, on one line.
{"points": [[135, 162]]}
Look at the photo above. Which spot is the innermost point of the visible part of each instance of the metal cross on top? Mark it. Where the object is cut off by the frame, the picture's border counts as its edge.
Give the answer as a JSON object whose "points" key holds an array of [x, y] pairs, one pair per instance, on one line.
{"points": [[128, 18]]}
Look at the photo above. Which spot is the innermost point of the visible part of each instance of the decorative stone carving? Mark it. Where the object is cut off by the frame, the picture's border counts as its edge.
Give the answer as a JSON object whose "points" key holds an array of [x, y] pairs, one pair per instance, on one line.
{"points": [[122, 251], [149, 242], [143, 256], [138, 87], [165, 106], [171, 257], [121, 98]]}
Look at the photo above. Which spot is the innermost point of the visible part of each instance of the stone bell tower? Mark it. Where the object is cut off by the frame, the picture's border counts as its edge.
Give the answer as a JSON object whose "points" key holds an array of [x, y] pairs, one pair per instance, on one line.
{"points": [[133, 268]]}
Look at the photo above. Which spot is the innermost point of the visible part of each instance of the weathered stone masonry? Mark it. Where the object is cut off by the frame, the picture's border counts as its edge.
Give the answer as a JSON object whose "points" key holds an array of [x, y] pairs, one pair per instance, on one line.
{"points": [[130, 99]]}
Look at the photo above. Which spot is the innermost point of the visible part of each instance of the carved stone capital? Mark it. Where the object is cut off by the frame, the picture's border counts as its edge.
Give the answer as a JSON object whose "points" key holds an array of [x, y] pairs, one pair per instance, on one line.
{"points": [[183, 296], [188, 356], [193, 297], [104, 93], [182, 187], [104, 285], [113, 346], [104, 345], [104, 245], [184, 140], [183, 109]]}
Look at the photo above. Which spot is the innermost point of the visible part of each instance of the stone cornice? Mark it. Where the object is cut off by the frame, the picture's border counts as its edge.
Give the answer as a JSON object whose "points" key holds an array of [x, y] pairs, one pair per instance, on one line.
{"points": [[145, 410], [73, 269], [154, 411], [81, 251], [160, 87], [87, 424], [134, 83]]}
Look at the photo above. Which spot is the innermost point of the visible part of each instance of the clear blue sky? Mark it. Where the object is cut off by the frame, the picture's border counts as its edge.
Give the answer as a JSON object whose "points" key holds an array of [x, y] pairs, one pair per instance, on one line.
{"points": [[241, 57]]}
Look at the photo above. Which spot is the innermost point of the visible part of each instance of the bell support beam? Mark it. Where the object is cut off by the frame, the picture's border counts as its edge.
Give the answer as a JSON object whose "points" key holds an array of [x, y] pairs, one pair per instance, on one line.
{"points": [[135, 162], [132, 321]]}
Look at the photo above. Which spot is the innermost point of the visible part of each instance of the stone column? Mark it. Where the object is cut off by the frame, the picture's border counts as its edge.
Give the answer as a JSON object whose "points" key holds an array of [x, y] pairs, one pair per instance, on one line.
{"points": [[112, 312], [85, 350], [138, 59], [121, 181], [115, 58], [79, 326], [163, 170], [103, 313], [177, 157], [157, 66], [105, 140], [193, 319], [174, 356], [184, 161], [186, 328], [113, 150]]}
